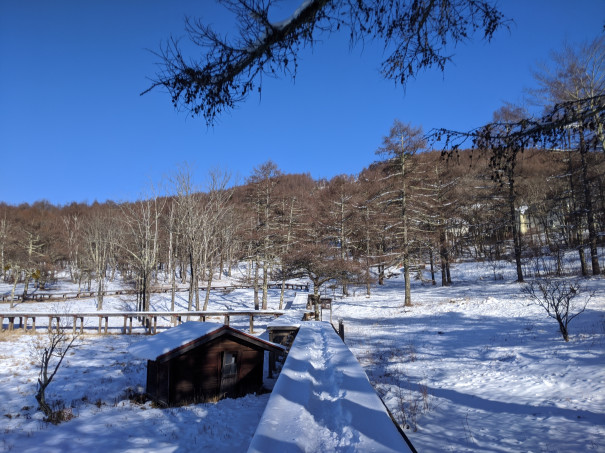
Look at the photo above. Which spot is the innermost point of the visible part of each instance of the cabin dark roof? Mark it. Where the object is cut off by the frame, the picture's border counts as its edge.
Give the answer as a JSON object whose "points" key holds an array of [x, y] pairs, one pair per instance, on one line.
{"points": [[188, 335]]}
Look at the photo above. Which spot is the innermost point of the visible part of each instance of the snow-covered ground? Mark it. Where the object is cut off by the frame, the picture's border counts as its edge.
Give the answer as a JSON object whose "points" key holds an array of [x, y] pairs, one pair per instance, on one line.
{"points": [[472, 367]]}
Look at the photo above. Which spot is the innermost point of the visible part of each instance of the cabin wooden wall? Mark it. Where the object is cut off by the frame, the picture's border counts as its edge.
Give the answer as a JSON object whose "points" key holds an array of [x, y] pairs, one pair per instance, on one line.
{"points": [[195, 375]]}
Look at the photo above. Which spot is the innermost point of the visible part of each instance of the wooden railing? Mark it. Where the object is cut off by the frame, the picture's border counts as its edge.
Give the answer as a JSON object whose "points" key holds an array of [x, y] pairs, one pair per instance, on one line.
{"points": [[148, 319], [53, 297]]}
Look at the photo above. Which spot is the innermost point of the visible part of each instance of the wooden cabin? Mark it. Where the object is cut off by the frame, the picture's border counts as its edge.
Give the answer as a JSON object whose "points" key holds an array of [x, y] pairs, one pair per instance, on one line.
{"points": [[202, 361], [283, 330]]}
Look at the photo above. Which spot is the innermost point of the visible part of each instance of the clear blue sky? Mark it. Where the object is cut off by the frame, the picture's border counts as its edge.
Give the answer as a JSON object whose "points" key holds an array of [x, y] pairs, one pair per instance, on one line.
{"points": [[74, 128]]}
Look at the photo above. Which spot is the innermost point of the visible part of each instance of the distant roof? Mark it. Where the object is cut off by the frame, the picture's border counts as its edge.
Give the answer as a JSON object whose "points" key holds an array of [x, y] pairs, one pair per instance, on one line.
{"points": [[190, 333], [153, 347]]}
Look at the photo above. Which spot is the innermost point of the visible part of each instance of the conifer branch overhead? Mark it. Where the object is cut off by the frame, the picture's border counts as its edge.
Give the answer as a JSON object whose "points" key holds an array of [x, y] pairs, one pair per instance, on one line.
{"points": [[416, 35]]}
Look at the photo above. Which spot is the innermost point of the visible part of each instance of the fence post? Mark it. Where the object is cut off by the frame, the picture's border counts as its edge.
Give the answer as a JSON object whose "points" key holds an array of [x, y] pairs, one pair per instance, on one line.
{"points": [[341, 329]]}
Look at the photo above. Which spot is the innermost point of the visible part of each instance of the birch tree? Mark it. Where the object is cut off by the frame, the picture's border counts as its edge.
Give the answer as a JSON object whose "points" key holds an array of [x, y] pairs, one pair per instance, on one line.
{"points": [[99, 233], [140, 242]]}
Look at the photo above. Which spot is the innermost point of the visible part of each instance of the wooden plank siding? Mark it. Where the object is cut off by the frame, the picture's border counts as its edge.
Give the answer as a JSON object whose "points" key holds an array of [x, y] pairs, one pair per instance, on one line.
{"points": [[192, 372]]}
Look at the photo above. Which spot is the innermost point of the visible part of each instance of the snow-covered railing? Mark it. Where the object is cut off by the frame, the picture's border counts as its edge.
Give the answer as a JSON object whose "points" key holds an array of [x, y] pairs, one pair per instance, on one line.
{"points": [[323, 401], [58, 296], [147, 318]]}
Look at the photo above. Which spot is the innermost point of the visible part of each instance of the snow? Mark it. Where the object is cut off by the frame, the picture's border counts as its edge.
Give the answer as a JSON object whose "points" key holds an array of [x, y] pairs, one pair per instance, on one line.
{"points": [[153, 347], [284, 23], [475, 367], [323, 401], [290, 319]]}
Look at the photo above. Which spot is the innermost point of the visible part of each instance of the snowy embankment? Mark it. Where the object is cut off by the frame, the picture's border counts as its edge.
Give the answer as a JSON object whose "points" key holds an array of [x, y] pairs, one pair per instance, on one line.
{"points": [[473, 367], [323, 401]]}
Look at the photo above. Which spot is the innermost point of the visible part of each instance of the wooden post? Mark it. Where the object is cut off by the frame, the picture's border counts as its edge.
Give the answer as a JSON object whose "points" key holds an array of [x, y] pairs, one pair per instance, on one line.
{"points": [[106, 323], [81, 324], [75, 325], [34, 323], [251, 323], [100, 323], [155, 324], [226, 320], [124, 329], [271, 364], [11, 322], [1, 323], [50, 324], [341, 329]]}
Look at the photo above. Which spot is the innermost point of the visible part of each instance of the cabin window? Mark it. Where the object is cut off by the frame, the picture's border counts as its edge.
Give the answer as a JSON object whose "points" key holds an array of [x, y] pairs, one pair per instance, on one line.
{"points": [[229, 364]]}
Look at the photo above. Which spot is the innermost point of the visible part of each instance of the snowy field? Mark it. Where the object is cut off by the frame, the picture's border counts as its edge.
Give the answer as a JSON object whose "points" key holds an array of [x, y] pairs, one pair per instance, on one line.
{"points": [[472, 367]]}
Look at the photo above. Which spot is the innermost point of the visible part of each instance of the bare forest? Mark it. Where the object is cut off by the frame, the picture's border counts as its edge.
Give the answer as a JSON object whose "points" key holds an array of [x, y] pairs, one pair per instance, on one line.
{"points": [[414, 209]]}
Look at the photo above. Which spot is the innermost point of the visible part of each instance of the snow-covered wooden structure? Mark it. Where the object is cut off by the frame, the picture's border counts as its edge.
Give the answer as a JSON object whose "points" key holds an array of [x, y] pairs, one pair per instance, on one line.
{"points": [[283, 330], [323, 401], [202, 361]]}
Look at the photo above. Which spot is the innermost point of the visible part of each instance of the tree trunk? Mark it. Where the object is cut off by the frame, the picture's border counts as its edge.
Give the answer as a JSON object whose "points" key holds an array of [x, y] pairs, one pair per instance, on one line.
{"points": [[265, 283], [25, 285], [208, 286], [41, 399], [256, 304], [100, 290], [515, 230], [444, 258], [192, 282], [220, 265], [582, 260], [281, 294], [592, 232], [172, 288], [432, 266]]}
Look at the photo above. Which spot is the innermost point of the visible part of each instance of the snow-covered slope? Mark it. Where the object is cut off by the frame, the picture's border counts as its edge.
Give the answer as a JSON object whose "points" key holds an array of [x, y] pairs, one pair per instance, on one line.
{"points": [[473, 367]]}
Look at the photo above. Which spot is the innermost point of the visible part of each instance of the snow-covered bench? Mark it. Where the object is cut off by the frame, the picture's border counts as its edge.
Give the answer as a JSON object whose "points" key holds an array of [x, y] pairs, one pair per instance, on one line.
{"points": [[323, 401]]}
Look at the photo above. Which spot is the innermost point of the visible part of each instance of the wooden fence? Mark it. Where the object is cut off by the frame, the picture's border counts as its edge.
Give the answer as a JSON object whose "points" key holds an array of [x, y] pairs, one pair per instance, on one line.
{"points": [[54, 297], [149, 320]]}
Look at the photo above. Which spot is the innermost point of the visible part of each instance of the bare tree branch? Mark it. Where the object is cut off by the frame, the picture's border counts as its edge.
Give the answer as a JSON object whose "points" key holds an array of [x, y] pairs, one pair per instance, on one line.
{"points": [[417, 34]]}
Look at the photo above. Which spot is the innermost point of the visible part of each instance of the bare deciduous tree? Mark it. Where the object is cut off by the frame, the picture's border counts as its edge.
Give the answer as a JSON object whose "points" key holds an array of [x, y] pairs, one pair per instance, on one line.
{"points": [[140, 242], [558, 298], [263, 180], [48, 352], [99, 233]]}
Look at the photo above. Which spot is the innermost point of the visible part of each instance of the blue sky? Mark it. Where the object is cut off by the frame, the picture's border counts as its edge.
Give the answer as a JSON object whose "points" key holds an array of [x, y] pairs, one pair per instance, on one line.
{"points": [[74, 128]]}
